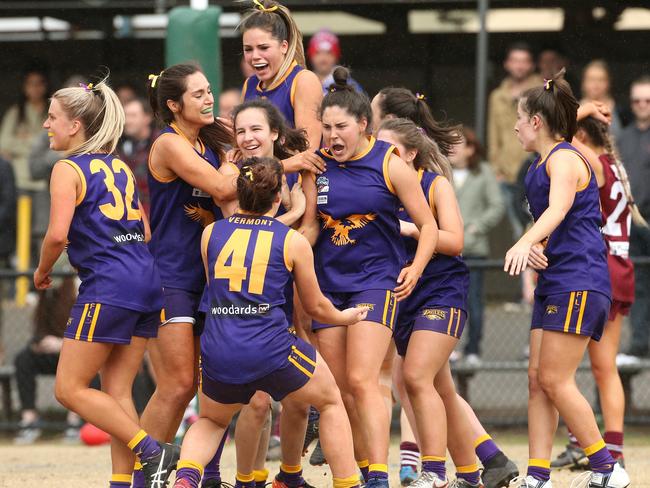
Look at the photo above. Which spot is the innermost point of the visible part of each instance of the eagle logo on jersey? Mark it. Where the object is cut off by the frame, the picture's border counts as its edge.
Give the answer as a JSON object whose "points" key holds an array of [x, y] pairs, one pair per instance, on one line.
{"points": [[551, 309], [434, 314], [370, 306], [199, 214], [342, 227]]}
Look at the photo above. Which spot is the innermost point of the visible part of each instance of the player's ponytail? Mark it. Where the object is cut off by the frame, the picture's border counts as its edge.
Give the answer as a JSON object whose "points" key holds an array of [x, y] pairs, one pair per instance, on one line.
{"points": [[400, 102], [171, 84], [599, 135], [258, 184], [276, 19], [99, 111], [555, 103], [342, 94], [428, 157]]}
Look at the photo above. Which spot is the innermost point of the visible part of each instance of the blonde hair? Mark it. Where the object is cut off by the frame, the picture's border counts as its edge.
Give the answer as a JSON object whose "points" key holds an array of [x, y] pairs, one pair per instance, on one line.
{"points": [[429, 157], [275, 18], [100, 113]]}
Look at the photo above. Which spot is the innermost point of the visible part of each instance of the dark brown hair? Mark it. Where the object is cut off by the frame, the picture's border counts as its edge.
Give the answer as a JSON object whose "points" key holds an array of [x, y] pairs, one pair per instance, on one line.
{"points": [[289, 142], [412, 138], [474, 162], [342, 94], [555, 103], [171, 84], [598, 134], [258, 183], [400, 102], [276, 19]]}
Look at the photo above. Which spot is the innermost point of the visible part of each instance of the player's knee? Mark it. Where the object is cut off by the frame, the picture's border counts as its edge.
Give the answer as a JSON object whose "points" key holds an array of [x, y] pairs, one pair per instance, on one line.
{"points": [[414, 380], [549, 383], [260, 406], [446, 390], [64, 393], [359, 383], [603, 371], [533, 382], [178, 389]]}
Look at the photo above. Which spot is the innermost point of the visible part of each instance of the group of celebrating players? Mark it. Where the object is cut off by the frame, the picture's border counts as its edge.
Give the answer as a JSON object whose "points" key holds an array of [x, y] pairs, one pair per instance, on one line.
{"points": [[285, 252]]}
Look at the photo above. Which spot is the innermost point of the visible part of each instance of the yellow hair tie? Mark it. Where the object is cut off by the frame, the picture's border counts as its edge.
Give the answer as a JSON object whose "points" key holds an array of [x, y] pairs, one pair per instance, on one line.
{"points": [[154, 79], [248, 172], [547, 84], [419, 96], [260, 6]]}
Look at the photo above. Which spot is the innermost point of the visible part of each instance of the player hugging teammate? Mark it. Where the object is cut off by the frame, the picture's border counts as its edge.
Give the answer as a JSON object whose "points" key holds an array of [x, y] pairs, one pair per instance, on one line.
{"points": [[238, 305]]}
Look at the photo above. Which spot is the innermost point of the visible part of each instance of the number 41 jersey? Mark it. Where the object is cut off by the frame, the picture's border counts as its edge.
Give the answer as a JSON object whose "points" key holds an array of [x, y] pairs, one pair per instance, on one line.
{"points": [[246, 330], [106, 237]]}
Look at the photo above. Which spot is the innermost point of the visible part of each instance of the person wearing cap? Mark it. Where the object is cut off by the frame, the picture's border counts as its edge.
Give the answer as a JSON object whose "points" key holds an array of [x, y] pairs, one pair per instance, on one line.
{"points": [[324, 53]]}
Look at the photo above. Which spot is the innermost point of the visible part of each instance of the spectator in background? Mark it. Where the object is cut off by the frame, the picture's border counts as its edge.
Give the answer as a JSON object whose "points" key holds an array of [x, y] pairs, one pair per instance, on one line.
{"points": [[21, 124], [7, 229], [126, 92], [136, 142], [324, 53], [596, 87], [481, 206], [228, 100], [634, 149], [41, 357], [504, 151], [551, 61], [41, 160]]}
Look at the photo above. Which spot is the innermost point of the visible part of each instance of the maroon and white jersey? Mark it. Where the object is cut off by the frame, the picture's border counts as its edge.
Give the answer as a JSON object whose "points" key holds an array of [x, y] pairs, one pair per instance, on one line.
{"points": [[617, 219]]}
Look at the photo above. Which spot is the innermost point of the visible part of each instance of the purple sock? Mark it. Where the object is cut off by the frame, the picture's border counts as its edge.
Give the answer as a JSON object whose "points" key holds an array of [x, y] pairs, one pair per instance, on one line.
{"points": [[211, 471], [485, 449], [244, 484], [470, 474], [539, 469], [119, 484], [138, 479], [146, 447], [192, 475], [434, 464], [291, 476], [600, 459]]}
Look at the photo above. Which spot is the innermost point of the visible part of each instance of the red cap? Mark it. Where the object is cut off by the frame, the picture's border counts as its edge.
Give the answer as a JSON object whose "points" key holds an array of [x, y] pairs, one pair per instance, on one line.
{"points": [[324, 40]]}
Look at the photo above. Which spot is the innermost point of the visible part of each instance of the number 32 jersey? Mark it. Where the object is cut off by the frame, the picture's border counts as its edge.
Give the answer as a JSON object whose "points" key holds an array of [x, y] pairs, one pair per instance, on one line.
{"points": [[106, 237], [246, 330]]}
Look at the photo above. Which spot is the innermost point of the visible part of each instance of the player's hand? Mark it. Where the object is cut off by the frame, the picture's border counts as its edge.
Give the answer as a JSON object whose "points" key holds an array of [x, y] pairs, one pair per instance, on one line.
{"points": [[597, 110], [354, 315], [517, 258], [536, 257], [307, 160], [227, 122], [42, 279], [298, 200], [406, 281], [234, 156]]}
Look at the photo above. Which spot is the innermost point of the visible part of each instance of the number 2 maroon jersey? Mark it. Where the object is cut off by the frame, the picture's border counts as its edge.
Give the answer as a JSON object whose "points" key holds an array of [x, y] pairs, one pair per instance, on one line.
{"points": [[106, 237], [617, 218]]}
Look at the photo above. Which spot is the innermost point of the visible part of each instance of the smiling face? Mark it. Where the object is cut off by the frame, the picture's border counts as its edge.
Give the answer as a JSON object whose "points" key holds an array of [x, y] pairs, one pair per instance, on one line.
{"points": [[264, 53], [253, 134], [60, 128], [198, 101], [343, 134]]}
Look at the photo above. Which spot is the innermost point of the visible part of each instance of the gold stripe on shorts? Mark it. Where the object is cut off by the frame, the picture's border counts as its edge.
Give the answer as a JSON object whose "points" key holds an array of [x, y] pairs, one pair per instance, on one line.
{"points": [[81, 321], [94, 322], [583, 304], [569, 312]]}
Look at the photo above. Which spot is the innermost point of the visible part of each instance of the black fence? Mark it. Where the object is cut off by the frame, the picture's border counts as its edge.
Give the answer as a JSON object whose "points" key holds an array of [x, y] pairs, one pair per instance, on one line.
{"points": [[495, 385]]}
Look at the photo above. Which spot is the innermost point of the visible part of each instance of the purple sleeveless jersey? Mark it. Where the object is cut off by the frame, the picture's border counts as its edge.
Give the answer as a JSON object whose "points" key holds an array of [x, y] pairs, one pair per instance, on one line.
{"points": [[106, 237], [576, 250], [359, 247]]}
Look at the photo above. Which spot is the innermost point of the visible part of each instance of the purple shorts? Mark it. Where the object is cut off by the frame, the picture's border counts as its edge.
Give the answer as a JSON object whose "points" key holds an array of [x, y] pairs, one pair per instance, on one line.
{"points": [[444, 320], [382, 304], [97, 322], [181, 306], [299, 368], [575, 312]]}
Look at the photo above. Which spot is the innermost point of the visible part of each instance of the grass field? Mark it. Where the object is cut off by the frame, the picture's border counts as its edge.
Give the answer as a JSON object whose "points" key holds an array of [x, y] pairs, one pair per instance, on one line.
{"points": [[52, 464]]}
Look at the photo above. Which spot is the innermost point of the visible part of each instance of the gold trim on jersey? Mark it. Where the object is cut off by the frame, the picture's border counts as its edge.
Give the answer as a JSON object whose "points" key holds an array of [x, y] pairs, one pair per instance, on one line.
{"points": [[584, 160], [384, 169], [156, 176], [287, 258], [292, 93], [84, 186], [259, 88]]}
